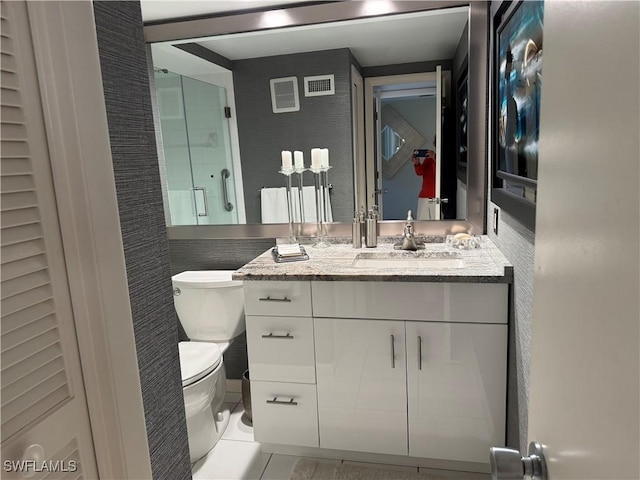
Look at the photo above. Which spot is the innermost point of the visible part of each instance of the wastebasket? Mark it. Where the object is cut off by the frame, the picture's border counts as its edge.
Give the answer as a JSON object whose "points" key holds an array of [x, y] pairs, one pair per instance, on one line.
{"points": [[246, 396]]}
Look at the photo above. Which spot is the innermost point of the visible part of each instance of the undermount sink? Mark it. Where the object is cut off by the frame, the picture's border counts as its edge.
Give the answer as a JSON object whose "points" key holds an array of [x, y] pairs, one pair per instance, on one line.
{"points": [[408, 260]]}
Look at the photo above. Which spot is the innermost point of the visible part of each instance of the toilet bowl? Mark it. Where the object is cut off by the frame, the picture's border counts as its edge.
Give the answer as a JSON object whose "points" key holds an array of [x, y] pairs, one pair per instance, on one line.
{"points": [[210, 306]]}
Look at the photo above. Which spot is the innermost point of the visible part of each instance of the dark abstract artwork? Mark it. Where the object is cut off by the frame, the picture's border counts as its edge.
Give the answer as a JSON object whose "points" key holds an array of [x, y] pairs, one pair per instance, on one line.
{"points": [[519, 82]]}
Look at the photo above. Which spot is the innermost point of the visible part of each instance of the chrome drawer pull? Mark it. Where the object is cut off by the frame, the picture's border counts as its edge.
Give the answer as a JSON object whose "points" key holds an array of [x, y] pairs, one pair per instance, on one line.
{"points": [[286, 337], [269, 299], [280, 402], [393, 352]]}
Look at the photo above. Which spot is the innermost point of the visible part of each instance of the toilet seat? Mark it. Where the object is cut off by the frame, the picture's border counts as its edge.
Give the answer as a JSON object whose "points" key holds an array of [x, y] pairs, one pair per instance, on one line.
{"points": [[197, 360]]}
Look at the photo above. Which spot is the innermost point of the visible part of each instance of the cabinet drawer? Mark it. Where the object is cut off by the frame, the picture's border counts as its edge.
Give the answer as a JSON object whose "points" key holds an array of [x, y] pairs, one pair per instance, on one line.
{"points": [[281, 349], [290, 299], [285, 413], [434, 302]]}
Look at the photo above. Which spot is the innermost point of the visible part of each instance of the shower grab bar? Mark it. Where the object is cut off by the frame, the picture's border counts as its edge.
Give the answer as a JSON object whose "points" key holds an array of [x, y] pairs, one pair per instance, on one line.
{"points": [[225, 174], [204, 202]]}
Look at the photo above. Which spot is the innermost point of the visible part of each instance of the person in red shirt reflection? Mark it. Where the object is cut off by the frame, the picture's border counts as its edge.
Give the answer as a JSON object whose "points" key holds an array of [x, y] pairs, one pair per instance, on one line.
{"points": [[426, 198]]}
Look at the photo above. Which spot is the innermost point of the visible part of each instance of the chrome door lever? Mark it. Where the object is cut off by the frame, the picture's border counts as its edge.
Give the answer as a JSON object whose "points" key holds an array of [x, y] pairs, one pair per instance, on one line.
{"points": [[508, 464]]}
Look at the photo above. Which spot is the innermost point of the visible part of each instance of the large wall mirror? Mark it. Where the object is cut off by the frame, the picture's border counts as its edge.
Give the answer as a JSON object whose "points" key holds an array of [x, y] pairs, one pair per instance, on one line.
{"points": [[369, 86]]}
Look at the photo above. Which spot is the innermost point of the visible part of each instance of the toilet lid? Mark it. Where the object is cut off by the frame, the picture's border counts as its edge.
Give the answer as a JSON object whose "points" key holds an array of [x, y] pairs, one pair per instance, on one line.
{"points": [[197, 359]]}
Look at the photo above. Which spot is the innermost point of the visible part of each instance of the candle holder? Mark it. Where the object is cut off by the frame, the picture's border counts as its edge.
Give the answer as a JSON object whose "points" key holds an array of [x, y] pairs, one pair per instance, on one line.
{"points": [[320, 178], [287, 173], [299, 171]]}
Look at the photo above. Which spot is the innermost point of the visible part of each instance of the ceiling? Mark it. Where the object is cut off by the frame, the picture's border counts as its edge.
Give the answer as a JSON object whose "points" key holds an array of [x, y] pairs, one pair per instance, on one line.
{"points": [[158, 10], [383, 40]]}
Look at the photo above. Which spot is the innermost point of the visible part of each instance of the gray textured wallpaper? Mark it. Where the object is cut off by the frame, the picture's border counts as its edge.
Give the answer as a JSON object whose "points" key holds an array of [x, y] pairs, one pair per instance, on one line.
{"points": [[323, 122], [135, 161], [516, 242]]}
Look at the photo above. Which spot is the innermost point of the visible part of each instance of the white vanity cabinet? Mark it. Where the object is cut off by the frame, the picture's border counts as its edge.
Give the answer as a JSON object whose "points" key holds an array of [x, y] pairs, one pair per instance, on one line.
{"points": [[362, 395], [281, 362], [414, 369], [402, 368]]}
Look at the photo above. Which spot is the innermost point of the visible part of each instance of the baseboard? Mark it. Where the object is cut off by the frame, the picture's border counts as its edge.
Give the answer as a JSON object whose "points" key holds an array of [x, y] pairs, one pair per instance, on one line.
{"points": [[234, 386], [375, 458]]}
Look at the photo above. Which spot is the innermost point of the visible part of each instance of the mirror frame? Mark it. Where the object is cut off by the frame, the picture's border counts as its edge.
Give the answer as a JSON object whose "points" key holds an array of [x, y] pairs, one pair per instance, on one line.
{"points": [[339, 11]]}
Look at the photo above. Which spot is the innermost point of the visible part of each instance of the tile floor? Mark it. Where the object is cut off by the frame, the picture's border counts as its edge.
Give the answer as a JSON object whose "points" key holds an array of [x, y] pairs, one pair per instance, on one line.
{"points": [[238, 457]]}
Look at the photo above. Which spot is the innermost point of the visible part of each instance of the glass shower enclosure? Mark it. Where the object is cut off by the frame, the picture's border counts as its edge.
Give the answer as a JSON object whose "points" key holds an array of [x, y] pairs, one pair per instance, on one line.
{"points": [[200, 173]]}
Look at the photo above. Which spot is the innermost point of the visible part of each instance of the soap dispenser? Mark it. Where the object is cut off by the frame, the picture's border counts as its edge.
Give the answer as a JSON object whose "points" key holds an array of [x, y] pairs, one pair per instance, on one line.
{"points": [[372, 228], [356, 231]]}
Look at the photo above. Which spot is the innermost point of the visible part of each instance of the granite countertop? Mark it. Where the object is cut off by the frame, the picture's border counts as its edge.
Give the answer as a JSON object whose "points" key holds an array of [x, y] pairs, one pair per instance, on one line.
{"points": [[485, 264]]}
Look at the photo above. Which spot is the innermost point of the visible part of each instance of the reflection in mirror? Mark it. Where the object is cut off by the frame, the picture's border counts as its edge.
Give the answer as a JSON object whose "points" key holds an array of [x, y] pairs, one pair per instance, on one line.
{"points": [[223, 118], [391, 142]]}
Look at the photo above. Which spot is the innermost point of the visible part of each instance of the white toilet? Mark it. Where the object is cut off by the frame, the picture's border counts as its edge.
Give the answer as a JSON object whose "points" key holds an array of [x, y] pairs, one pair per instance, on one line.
{"points": [[210, 307]]}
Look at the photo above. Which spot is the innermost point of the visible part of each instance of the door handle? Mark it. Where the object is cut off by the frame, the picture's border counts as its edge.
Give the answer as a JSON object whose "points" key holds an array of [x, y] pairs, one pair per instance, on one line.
{"points": [[204, 202], [419, 353], [508, 464]]}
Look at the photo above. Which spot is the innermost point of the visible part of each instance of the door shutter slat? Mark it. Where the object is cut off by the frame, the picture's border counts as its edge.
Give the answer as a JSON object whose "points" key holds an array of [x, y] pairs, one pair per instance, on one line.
{"points": [[11, 425], [24, 283], [14, 373], [10, 98], [8, 62], [23, 267], [14, 390], [26, 299], [15, 356], [21, 216], [17, 201], [16, 183], [28, 332], [22, 233], [15, 166]]}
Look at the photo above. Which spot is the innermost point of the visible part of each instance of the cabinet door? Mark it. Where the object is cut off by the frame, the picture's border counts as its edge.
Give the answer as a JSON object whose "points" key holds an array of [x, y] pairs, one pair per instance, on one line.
{"points": [[361, 380], [457, 389]]}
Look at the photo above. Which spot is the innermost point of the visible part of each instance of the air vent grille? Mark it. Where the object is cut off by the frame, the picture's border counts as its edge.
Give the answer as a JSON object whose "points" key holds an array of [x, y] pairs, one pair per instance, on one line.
{"points": [[319, 85], [284, 94]]}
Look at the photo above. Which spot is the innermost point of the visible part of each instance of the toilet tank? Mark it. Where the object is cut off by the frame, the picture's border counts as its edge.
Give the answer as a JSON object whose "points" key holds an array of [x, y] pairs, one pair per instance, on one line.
{"points": [[210, 304]]}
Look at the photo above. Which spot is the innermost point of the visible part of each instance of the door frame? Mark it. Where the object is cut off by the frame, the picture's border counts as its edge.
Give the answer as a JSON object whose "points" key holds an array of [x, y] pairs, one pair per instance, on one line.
{"points": [[70, 79], [370, 83]]}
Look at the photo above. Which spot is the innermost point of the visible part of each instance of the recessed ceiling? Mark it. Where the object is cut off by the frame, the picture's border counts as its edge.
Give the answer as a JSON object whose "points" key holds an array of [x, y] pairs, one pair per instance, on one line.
{"points": [[406, 38], [384, 40]]}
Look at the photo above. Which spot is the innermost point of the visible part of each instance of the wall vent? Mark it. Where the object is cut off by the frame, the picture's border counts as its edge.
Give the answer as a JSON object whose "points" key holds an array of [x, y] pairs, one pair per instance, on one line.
{"points": [[284, 94], [319, 85]]}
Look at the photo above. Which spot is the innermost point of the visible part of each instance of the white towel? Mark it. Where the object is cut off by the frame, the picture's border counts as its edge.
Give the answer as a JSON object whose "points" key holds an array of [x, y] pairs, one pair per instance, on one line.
{"points": [[182, 208], [274, 205]]}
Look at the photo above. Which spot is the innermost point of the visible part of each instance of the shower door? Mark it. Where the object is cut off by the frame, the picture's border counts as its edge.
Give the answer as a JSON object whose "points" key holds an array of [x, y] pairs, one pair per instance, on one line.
{"points": [[197, 150]]}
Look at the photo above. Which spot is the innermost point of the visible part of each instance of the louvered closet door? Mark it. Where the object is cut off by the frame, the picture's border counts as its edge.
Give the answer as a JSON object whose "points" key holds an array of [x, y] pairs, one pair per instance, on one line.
{"points": [[43, 399]]}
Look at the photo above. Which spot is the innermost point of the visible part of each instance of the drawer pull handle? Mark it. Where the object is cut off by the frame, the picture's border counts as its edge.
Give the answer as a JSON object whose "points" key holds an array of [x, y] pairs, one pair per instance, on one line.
{"points": [[393, 352], [419, 353], [280, 402], [286, 337], [269, 299]]}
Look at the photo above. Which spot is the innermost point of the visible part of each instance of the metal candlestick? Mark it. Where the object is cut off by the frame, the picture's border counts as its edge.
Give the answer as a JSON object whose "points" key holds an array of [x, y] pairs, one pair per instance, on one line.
{"points": [[321, 207], [287, 174]]}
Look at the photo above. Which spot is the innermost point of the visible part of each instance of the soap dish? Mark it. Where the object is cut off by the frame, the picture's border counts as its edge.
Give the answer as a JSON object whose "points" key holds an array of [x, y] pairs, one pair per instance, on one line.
{"points": [[278, 258]]}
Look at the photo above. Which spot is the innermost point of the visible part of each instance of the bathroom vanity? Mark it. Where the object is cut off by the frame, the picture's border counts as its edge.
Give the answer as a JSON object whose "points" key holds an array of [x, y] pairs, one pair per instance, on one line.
{"points": [[381, 351]]}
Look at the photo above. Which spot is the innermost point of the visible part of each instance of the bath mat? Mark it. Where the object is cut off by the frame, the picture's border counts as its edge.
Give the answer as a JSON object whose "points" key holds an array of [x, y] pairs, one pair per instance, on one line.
{"points": [[311, 469]]}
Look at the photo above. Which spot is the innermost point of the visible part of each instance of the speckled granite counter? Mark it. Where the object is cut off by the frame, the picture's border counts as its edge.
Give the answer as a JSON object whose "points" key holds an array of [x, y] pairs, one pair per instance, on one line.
{"points": [[335, 263]]}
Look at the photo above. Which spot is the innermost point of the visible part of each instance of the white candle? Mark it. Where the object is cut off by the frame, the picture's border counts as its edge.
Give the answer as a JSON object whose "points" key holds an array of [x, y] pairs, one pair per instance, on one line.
{"points": [[287, 163], [316, 155], [299, 159], [324, 158]]}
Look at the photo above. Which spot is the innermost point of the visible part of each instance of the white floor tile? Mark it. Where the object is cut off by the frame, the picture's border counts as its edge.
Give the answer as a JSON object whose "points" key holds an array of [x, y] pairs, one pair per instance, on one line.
{"points": [[455, 475], [280, 467], [231, 460], [238, 428], [402, 468]]}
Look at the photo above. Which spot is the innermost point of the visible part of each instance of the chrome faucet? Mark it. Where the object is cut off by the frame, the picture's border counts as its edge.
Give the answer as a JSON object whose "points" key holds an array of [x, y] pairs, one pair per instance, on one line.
{"points": [[408, 239]]}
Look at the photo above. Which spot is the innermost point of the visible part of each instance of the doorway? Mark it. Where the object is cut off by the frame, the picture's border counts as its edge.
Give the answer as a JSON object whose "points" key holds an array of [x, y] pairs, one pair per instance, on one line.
{"points": [[406, 113]]}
